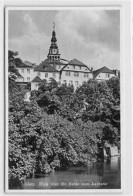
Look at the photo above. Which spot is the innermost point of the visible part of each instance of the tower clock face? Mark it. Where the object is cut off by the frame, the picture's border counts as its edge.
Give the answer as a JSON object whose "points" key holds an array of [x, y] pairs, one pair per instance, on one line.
{"points": [[54, 51]]}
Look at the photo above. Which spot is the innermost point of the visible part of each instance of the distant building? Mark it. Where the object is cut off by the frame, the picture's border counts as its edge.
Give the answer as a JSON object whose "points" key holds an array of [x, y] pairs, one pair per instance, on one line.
{"points": [[103, 73]]}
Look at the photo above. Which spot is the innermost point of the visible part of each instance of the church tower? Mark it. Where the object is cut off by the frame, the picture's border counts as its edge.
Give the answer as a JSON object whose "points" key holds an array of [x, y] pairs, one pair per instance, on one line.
{"points": [[53, 55]]}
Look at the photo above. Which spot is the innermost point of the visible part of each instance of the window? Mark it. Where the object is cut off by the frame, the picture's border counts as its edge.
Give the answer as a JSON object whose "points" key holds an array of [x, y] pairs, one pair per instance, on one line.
{"points": [[28, 79], [46, 75], [76, 74], [107, 75], [38, 74], [28, 71], [86, 75], [22, 79], [54, 75], [76, 83], [73, 66], [70, 82], [36, 85], [68, 73], [22, 70]]}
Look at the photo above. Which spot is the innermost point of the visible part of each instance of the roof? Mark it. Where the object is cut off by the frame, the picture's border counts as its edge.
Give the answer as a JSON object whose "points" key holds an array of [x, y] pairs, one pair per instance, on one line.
{"points": [[28, 63], [23, 65], [102, 70], [76, 62], [37, 79], [45, 67]]}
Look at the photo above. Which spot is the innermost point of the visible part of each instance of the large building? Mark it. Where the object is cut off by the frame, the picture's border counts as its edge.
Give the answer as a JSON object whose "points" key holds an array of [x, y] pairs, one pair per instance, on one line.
{"points": [[63, 71]]}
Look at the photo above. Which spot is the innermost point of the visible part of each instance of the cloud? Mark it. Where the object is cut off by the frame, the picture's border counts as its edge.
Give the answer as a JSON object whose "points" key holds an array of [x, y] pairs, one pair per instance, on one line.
{"points": [[91, 36], [31, 42]]}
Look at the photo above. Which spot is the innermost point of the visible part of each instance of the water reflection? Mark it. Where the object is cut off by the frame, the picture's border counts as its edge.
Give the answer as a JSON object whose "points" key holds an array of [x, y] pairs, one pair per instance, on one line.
{"points": [[101, 175]]}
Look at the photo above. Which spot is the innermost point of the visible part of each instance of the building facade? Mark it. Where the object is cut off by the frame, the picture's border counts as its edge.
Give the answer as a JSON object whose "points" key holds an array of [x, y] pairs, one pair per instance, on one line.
{"points": [[103, 74], [63, 71]]}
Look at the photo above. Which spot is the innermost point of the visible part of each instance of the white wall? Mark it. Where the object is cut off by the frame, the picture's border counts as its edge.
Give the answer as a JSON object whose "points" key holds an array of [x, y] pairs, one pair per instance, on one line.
{"points": [[33, 74], [34, 86], [26, 75], [80, 79], [73, 69], [43, 76], [104, 76]]}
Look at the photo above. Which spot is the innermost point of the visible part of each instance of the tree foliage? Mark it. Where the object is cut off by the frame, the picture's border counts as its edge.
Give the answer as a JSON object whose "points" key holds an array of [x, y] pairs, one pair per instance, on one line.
{"points": [[59, 127]]}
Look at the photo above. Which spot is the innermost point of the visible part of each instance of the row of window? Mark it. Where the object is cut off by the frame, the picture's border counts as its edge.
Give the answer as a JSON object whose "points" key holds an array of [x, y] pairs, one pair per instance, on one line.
{"points": [[106, 75], [28, 71], [73, 66], [71, 82], [39, 74], [76, 74], [46, 75]]}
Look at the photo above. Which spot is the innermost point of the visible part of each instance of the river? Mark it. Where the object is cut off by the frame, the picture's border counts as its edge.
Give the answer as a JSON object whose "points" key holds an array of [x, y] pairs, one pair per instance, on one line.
{"points": [[101, 175]]}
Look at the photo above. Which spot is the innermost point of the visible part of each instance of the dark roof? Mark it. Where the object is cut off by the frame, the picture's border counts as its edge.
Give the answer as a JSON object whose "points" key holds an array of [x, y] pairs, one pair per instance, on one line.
{"points": [[102, 70], [76, 62], [23, 65], [37, 79], [45, 67], [28, 63]]}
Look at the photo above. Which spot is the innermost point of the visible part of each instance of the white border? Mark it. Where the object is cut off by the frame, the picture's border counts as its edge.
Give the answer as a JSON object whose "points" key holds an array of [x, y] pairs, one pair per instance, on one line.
{"points": [[123, 90]]}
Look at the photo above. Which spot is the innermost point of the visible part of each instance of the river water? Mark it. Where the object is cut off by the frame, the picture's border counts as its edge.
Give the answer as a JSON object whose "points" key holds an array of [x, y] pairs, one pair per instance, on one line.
{"points": [[101, 175]]}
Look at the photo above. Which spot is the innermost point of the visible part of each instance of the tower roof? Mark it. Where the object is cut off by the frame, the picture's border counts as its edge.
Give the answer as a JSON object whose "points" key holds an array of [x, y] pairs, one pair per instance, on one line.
{"points": [[53, 39], [53, 54]]}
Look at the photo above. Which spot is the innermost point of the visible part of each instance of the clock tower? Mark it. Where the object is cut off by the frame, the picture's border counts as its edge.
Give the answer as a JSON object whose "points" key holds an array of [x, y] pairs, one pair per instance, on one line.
{"points": [[53, 55]]}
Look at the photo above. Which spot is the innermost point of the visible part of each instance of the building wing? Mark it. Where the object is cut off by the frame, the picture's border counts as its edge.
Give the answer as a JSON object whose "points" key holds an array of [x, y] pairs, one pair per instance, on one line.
{"points": [[102, 70], [45, 67], [76, 63]]}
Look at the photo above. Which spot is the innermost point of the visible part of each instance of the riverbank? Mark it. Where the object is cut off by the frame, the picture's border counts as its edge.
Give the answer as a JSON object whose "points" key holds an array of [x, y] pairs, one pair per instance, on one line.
{"points": [[100, 175]]}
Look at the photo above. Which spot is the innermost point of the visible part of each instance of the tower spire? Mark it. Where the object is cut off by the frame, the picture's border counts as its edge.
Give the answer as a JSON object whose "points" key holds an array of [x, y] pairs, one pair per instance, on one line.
{"points": [[53, 54], [53, 26]]}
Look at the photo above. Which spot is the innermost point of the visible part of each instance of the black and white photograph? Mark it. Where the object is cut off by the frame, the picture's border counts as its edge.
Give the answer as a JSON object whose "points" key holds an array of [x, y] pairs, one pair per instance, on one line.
{"points": [[64, 103]]}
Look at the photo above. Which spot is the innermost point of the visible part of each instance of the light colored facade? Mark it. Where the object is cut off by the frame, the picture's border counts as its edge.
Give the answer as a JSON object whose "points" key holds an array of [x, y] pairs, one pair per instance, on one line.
{"points": [[103, 74], [27, 73], [75, 73]]}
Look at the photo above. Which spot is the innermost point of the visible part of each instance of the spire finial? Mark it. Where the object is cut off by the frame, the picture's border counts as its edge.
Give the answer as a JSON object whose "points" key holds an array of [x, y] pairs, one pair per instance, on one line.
{"points": [[53, 25]]}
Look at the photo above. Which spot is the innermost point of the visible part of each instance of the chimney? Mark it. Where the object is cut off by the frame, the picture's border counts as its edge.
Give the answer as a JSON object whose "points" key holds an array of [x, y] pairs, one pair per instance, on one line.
{"points": [[92, 69]]}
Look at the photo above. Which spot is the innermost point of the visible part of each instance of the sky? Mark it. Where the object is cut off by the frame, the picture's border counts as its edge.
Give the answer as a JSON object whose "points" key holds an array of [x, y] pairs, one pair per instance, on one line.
{"points": [[91, 36]]}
